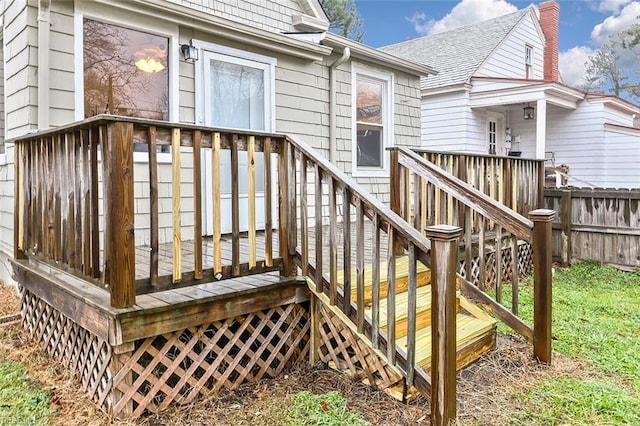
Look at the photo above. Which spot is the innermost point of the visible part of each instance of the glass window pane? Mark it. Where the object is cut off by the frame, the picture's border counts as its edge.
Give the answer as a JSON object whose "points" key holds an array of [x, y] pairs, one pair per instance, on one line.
{"points": [[237, 94], [369, 146], [369, 102], [125, 72]]}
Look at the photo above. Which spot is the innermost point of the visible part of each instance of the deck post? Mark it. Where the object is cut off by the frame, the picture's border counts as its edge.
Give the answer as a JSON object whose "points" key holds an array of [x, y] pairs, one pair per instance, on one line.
{"points": [[118, 184], [444, 252], [395, 190], [284, 216], [542, 283]]}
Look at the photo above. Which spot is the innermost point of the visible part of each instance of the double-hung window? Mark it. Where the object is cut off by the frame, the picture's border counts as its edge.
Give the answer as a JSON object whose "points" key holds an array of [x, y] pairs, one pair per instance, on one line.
{"points": [[372, 115], [528, 61]]}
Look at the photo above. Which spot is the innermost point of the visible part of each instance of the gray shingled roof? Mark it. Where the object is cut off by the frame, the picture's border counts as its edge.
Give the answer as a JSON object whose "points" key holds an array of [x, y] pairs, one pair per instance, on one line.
{"points": [[458, 53]]}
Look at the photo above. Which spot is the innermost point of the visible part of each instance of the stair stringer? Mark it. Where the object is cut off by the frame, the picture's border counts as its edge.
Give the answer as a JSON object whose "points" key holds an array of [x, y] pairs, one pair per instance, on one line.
{"points": [[338, 343]]}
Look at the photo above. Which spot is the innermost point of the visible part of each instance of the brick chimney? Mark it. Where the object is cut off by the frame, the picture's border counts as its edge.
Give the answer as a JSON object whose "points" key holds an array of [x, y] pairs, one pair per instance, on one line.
{"points": [[550, 23]]}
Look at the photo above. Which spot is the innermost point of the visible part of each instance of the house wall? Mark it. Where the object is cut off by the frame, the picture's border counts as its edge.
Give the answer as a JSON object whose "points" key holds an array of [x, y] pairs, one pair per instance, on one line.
{"points": [[6, 213], [301, 98], [446, 122], [268, 15], [576, 139], [20, 38], [622, 156], [507, 60]]}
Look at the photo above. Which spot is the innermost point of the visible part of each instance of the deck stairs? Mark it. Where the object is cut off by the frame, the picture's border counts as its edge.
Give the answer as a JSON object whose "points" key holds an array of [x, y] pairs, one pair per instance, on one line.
{"points": [[475, 329]]}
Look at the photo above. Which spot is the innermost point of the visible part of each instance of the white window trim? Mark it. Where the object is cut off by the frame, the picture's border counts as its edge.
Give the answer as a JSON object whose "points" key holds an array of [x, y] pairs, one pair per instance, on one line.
{"points": [[499, 118], [128, 19], [387, 120], [229, 54]]}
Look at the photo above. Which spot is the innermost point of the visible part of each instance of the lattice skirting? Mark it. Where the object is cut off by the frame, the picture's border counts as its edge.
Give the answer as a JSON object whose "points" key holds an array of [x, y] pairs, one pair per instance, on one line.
{"points": [[525, 265], [152, 373], [341, 347]]}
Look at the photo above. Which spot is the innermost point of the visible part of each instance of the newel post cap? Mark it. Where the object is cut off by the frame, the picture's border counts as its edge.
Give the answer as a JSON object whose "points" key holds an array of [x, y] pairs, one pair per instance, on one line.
{"points": [[542, 215], [443, 232]]}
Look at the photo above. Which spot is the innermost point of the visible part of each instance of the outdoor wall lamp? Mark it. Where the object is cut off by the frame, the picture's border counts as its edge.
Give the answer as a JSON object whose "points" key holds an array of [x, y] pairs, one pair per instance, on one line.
{"points": [[528, 112], [189, 52]]}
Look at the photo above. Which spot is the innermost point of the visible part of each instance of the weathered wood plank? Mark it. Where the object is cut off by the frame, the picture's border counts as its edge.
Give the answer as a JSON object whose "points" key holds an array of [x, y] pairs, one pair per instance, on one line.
{"points": [[176, 205], [217, 227], [120, 214], [251, 166], [268, 204], [197, 203], [235, 207], [153, 204]]}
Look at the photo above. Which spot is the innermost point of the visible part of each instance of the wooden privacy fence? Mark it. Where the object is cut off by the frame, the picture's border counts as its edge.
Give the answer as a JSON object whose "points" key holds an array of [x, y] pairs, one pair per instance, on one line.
{"points": [[513, 181], [596, 224], [75, 200], [421, 189]]}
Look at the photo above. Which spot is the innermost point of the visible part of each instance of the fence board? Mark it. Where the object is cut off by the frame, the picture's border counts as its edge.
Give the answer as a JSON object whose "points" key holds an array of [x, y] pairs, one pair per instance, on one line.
{"points": [[603, 225]]}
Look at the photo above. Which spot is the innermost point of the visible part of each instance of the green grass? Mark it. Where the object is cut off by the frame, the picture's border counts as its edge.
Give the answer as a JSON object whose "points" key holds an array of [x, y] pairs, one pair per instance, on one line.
{"points": [[596, 317], [567, 400], [21, 402], [328, 409]]}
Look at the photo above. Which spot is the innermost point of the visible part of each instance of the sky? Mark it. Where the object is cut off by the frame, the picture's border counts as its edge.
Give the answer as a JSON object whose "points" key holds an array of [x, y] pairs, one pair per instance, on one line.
{"points": [[584, 24]]}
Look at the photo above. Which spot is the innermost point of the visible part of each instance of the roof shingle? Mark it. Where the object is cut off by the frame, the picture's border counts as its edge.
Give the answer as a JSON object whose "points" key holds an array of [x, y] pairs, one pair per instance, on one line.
{"points": [[458, 53]]}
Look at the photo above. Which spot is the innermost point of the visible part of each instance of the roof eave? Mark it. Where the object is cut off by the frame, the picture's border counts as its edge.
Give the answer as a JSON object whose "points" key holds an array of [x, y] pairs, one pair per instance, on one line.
{"points": [[361, 51]]}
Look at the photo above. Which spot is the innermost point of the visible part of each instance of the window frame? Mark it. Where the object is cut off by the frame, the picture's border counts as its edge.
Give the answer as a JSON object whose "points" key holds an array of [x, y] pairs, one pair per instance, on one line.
{"points": [[528, 61], [128, 19], [363, 73], [239, 57]]}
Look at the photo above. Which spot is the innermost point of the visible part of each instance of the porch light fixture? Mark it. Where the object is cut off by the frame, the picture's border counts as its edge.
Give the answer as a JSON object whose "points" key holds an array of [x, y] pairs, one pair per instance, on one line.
{"points": [[189, 52], [527, 112]]}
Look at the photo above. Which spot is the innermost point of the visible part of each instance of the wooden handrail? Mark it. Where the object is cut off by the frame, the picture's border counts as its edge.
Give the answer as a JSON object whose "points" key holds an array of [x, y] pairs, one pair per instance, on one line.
{"points": [[468, 195], [459, 153]]}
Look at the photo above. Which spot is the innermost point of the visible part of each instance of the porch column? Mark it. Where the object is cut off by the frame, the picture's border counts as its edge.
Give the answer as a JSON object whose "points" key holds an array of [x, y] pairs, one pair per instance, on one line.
{"points": [[541, 128]]}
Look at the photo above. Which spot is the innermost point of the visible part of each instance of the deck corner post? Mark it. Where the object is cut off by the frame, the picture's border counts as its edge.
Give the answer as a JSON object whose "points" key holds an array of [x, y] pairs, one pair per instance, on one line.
{"points": [[119, 214], [541, 181], [284, 215], [444, 252], [542, 283]]}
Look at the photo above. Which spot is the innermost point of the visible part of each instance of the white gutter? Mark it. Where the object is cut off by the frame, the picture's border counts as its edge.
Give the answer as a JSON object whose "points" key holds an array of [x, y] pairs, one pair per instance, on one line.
{"points": [[44, 28], [346, 53]]}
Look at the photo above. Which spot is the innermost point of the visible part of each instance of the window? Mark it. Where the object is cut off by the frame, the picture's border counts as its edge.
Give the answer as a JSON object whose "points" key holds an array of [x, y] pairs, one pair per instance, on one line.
{"points": [[528, 61], [126, 71], [372, 112]]}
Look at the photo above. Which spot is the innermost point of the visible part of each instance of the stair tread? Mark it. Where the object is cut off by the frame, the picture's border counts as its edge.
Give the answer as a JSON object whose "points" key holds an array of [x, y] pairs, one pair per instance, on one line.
{"points": [[402, 271], [423, 304], [468, 328]]}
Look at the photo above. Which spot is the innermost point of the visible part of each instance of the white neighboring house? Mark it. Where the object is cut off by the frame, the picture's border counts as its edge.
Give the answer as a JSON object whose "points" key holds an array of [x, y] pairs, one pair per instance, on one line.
{"points": [[499, 92], [242, 64]]}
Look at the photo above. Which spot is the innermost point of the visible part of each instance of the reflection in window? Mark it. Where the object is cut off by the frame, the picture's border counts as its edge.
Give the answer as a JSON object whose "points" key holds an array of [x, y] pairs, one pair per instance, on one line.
{"points": [[369, 125], [125, 72]]}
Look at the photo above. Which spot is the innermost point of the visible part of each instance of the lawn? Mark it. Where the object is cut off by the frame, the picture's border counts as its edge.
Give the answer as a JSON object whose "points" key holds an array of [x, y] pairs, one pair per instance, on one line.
{"points": [[594, 377], [596, 320]]}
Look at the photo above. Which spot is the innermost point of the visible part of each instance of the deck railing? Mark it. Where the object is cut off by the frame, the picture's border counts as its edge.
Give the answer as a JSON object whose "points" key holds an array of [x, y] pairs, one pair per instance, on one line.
{"points": [[78, 190], [80, 199], [423, 193], [516, 182]]}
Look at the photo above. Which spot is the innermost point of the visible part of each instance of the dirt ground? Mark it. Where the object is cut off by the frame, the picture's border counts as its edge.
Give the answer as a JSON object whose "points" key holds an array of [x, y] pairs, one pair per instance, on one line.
{"points": [[483, 388]]}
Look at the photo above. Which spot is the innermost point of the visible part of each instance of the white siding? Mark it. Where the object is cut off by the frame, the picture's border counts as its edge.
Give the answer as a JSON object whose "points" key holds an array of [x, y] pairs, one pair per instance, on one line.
{"points": [[507, 60], [622, 157], [577, 139], [20, 38], [268, 15], [61, 75], [444, 120], [6, 213]]}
